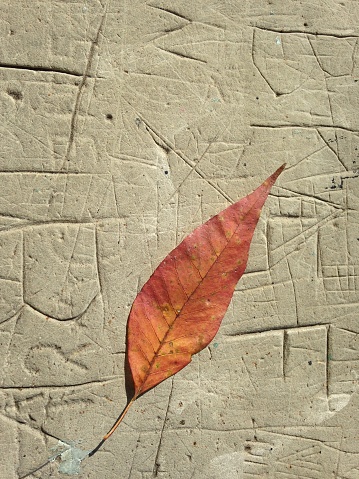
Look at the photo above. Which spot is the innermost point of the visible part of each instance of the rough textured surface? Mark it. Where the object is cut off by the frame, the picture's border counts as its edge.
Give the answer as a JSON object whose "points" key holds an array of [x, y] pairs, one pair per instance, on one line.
{"points": [[123, 126]]}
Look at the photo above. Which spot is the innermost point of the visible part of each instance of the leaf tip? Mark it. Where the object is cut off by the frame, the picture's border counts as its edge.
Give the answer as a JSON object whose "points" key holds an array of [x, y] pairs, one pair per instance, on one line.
{"points": [[279, 170], [269, 182]]}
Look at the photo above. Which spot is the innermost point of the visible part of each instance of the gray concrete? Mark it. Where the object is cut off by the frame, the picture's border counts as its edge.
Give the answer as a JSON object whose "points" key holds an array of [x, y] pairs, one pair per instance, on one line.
{"points": [[124, 125]]}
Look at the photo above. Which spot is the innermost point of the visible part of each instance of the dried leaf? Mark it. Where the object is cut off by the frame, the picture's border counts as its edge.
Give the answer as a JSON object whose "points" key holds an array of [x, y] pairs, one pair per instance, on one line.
{"points": [[180, 308]]}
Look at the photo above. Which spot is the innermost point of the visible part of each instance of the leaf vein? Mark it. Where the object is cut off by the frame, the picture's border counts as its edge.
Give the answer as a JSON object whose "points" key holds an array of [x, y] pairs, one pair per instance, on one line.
{"points": [[192, 262], [142, 352], [158, 304], [168, 294], [178, 277], [150, 322], [210, 243]]}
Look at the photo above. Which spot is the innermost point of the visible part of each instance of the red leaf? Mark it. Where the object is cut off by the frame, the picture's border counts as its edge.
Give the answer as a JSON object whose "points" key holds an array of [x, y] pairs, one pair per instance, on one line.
{"points": [[180, 308]]}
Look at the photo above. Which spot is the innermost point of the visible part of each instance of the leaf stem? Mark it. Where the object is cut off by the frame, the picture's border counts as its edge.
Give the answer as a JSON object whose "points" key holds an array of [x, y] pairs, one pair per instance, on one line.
{"points": [[114, 427]]}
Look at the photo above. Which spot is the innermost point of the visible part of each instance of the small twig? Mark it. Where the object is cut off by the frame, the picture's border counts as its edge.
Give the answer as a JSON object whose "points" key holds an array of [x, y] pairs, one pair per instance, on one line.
{"points": [[51, 459], [89, 454]]}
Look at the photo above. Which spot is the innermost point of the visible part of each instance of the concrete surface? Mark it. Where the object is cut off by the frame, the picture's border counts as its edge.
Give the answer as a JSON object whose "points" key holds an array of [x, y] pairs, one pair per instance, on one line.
{"points": [[125, 124]]}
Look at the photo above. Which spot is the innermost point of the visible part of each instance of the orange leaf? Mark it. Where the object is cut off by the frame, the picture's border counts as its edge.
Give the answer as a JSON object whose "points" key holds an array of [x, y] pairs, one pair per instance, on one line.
{"points": [[180, 308]]}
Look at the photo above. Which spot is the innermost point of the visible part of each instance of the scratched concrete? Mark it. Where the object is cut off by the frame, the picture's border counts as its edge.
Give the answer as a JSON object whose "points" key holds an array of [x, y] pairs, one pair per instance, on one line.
{"points": [[123, 126]]}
